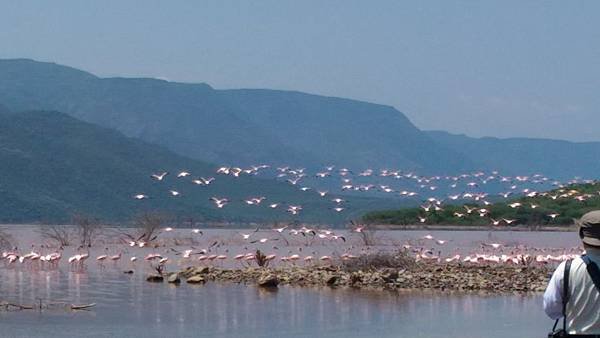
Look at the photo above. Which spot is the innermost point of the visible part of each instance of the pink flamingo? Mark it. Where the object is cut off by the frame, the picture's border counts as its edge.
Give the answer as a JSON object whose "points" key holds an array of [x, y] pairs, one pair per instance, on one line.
{"points": [[115, 258]]}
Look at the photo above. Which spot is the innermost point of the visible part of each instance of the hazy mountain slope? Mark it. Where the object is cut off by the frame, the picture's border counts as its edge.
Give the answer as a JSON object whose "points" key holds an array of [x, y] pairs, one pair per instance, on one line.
{"points": [[231, 126], [559, 159], [52, 165], [341, 131]]}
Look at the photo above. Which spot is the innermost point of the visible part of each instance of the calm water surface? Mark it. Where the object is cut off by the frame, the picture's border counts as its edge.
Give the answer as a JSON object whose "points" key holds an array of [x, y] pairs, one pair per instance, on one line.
{"points": [[128, 306]]}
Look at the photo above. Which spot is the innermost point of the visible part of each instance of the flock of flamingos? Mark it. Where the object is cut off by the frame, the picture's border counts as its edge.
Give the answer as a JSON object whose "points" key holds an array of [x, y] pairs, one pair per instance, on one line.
{"points": [[467, 187], [335, 245], [283, 247], [426, 249]]}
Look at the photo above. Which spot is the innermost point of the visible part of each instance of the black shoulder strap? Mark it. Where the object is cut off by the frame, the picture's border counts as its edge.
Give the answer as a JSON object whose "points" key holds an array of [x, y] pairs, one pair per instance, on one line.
{"points": [[592, 270], [566, 292]]}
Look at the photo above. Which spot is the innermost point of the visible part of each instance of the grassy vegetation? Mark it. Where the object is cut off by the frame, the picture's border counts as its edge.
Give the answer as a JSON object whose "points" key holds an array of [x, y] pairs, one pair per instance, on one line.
{"points": [[569, 203]]}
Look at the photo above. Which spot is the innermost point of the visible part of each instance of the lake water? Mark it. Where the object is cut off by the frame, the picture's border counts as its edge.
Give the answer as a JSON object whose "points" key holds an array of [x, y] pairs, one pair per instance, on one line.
{"points": [[128, 306]]}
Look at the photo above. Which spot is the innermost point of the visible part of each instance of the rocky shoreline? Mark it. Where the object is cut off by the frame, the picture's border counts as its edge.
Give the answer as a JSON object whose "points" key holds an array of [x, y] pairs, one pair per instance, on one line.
{"points": [[444, 277]]}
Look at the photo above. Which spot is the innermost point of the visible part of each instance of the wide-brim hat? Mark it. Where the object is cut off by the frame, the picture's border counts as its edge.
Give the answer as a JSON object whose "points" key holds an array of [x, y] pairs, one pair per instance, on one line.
{"points": [[589, 228]]}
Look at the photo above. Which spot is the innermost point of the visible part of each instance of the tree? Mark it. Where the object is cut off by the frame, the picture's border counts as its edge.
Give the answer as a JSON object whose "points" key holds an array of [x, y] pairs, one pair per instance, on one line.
{"points": [[148, 225], [59, 233], [88, 229]]}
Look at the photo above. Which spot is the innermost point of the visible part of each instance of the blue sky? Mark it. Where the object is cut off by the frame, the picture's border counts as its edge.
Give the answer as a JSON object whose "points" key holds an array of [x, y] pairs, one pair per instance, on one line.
{"points": [[484, 68]]}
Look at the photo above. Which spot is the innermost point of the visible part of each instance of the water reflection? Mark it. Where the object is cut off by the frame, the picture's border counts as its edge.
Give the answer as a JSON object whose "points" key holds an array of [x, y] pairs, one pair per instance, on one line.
{"points": [[129, 306]]}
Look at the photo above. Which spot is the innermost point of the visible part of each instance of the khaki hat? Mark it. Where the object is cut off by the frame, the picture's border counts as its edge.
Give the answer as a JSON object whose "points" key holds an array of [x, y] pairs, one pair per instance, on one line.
{"points": [[589, 228]]}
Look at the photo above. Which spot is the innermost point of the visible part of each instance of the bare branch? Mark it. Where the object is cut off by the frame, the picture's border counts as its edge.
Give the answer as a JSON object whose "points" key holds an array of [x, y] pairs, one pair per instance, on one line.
{"points": [[366, 234], [58, 233], [149, 224], [88, 229]]}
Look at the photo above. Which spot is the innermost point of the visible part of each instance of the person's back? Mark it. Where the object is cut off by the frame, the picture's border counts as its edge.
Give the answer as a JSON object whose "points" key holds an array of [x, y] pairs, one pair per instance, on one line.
{"points": [[583, 308], [583, 297]]}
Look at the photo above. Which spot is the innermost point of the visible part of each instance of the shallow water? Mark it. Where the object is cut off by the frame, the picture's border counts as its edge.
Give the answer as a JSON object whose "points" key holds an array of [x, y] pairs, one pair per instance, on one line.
{"points": [[231, 242], [128, 306]]}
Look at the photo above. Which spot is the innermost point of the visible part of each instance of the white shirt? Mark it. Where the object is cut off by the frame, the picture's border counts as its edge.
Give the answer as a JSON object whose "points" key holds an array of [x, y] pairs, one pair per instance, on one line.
{"points": [[583, 306]]}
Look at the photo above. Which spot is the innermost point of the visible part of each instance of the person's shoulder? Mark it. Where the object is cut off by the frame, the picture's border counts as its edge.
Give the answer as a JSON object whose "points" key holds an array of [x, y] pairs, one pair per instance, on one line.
{"points": [[560, 269], [575, 260]]}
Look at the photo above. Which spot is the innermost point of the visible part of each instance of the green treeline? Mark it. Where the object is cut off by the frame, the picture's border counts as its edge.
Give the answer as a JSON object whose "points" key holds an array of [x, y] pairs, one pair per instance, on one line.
{"points": [[569, 203]]}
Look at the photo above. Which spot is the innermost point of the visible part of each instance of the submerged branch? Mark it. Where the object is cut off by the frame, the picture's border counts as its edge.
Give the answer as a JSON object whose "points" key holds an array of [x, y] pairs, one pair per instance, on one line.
{"points": [[10, 306]]}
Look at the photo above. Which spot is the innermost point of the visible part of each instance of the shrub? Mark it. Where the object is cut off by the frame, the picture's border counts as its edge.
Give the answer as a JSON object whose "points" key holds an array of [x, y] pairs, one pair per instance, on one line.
{"points": [[379, 260]]}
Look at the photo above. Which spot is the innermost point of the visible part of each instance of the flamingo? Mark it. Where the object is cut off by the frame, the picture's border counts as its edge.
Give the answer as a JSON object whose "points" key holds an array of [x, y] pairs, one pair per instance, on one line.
{"points": [[454, 258], [183, 174], [494, 245], [103, 257], [116, 257], [159, 177], [223, 170], [264, 240], [219, 202], [152, 256], [207, 181], [294, 209], [336, 237], [359, 229], [280, 230]]}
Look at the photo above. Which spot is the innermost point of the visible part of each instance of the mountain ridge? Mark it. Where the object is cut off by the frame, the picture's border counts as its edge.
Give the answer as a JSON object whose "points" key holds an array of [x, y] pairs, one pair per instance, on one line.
{"points": [[253, 126], [557, 158], [220, 126]]}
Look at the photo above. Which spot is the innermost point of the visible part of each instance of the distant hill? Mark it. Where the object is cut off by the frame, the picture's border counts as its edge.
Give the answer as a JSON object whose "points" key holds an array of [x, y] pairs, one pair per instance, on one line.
{"points": [[565, 204], [52, 166], [558, 159], [244, 127], [240, 127]]}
